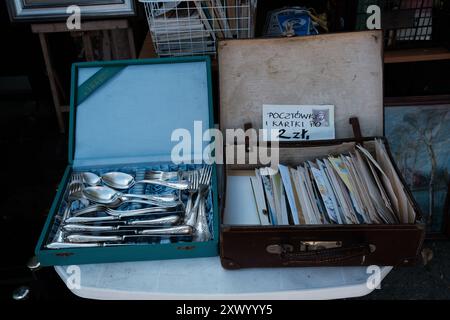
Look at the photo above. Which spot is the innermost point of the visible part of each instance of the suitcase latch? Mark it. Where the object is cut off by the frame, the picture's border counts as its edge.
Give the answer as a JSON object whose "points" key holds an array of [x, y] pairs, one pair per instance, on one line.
{"points": [[279, 248], [304, 246], [319, 245]]}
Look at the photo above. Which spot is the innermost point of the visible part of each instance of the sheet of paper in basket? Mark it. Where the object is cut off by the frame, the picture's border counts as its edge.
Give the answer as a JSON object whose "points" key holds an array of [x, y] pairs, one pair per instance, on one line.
{"points": [[298, 122]]}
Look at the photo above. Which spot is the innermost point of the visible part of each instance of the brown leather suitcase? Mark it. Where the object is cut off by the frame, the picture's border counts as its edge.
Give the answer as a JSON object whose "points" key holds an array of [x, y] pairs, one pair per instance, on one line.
{"points": [[345, 70]]}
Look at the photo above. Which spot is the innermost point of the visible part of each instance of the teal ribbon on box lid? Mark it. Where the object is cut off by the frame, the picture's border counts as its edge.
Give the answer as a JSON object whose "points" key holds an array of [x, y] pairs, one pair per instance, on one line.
{"points": [[96, 81]]}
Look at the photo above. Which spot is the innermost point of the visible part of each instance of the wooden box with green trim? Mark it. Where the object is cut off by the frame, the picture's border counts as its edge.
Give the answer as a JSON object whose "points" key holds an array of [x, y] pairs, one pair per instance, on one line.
{"points": [[124, 116]]}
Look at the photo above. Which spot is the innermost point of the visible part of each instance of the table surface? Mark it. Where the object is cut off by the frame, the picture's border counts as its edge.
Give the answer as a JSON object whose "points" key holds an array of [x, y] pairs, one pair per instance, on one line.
{"points": [[204, 278]]}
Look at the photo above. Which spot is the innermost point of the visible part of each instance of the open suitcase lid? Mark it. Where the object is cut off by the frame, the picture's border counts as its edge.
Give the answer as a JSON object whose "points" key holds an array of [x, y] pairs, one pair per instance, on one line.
{"points": [[342, 69]]}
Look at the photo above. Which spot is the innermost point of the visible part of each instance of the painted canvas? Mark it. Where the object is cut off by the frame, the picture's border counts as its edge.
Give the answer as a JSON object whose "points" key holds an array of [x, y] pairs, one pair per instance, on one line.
{"points": [[43, 10], [419, 137]]}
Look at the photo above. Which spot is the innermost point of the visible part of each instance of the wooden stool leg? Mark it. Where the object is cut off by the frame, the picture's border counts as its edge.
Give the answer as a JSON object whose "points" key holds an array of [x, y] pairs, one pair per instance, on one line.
{"points": [[87, 43], [106, 45], [115, 49], [131, 43], [51, 77]]}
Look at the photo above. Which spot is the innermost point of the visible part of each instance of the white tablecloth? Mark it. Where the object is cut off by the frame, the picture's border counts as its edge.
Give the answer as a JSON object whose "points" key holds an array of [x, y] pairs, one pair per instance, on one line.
{"points": [[204, 278]]}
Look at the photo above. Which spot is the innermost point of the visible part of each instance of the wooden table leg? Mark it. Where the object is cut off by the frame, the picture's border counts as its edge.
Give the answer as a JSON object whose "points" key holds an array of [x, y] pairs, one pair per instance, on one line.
{"points": [[51, 77]]}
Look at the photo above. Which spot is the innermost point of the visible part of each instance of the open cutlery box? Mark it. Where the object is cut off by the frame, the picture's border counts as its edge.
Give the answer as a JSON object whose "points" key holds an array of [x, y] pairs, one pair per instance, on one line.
{"points": [[344, 70], [122, 116]]}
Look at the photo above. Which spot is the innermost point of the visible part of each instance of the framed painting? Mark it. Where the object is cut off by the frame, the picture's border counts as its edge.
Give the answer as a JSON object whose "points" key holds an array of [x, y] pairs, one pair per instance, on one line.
{"points": [[51, 10], [418, 131]]}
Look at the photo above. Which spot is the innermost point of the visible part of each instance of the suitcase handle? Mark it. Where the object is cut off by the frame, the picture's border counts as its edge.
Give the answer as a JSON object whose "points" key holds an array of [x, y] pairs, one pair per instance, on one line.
{"points": [[329, 255]]}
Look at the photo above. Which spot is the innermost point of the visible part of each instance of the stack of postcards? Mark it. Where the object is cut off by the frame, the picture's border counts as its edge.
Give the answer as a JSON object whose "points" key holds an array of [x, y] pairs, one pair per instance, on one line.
{"points": [[350, 188]]}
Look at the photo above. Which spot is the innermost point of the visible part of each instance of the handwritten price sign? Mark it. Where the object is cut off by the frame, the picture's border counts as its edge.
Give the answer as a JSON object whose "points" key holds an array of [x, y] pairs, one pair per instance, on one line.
{"points": [[298, 122]]}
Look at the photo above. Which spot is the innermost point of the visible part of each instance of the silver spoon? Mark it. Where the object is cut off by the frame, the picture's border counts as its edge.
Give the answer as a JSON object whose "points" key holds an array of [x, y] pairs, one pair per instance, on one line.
{"points": [[106, 195], [168, 200], [91, 178], [118, 180]]}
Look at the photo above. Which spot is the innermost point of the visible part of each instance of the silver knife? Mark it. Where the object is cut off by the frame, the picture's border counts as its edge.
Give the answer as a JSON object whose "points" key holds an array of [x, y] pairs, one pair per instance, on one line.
{"points": [[127, 224], [172, 231], [126, 214]]}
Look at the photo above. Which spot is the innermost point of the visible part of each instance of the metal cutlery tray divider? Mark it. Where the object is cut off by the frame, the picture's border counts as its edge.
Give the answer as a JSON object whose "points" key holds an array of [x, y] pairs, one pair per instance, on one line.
{"points": [[138, 172]]}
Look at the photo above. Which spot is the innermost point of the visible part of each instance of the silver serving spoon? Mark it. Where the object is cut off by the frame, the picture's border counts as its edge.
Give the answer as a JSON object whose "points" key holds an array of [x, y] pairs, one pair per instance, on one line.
{"points": [[106, 195], [169, 200], [121, 180]]}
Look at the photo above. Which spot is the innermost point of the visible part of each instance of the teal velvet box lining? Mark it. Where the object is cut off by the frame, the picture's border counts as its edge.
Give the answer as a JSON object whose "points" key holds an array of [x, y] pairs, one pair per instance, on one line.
{"points": [[126, 123], [130, 118]]}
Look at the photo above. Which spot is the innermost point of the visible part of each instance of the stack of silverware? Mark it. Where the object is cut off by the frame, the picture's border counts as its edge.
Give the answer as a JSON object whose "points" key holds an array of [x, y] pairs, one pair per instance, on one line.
{"points": [[106, 209]]}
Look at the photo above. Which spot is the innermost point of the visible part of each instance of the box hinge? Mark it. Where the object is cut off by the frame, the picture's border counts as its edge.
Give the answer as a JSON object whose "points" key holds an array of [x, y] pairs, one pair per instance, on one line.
{"points": [[356, 130]]}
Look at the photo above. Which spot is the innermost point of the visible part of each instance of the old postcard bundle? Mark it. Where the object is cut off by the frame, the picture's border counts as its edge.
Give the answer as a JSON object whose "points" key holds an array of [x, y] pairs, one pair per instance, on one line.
{"points": [[350, 188]]}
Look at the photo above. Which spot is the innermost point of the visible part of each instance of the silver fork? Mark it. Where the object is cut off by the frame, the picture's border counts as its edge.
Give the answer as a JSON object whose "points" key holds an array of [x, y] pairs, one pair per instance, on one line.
{"points": [[201, 227], [203, 182], [75, 184], [193, 177]]}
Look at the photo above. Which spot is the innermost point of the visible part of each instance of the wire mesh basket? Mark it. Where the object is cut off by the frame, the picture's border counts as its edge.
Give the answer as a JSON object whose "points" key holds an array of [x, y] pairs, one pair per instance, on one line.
{"points": [[405, 22], [185, 28]]}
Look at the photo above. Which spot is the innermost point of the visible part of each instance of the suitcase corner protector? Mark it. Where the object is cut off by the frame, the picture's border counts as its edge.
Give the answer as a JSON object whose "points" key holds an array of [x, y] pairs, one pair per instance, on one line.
{"points": [[229, 264]]}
